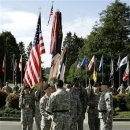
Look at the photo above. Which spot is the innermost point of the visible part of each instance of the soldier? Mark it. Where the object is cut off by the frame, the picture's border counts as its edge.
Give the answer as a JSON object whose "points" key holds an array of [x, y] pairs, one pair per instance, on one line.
{"points": [[82, 95], [121, 89], [127, 90], [75, 107], [27, 109], [112, 90], [59, 107], [16, 88], [46, 120], [93, 120], [38, 95], [105, 108], [7, 89]]}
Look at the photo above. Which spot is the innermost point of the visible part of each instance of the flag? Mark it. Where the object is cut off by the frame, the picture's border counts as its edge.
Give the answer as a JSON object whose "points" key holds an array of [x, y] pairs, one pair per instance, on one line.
{"points": [[55, 46], [79, 65], [61, 71], [123, 61], [33, 65], [111, 69], [20, 64], [95, 75], [4, 64], [94, 72], [15, 65], [56, 34], [101, 63], [84, 62], [91, 63], [126, 73], [118, 62], [51, 13]]}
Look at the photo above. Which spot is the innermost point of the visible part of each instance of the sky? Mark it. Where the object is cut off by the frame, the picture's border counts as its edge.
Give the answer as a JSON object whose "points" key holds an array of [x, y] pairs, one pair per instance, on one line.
{"points": [[79, 16]]}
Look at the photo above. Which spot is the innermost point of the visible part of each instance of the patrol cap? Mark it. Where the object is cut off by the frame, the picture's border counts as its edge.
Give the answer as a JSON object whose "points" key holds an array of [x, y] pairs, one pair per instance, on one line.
{"points": [[46, 86]]}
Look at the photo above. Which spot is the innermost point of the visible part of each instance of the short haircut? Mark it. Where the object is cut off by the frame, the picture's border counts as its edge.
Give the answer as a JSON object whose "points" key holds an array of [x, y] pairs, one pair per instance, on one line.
{"points": [[59, 84]]}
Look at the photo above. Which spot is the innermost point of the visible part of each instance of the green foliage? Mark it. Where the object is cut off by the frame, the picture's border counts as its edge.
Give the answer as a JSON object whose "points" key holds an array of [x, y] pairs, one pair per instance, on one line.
{"points": [[128, 101], [74, 43], [121, 98], [9, 112], [12, 101], [9, 46], [123, 115], [3, 96]]}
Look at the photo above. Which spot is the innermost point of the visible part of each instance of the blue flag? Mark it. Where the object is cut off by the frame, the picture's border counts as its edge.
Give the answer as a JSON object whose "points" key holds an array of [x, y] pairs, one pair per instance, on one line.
{"points": [[84, 62]]}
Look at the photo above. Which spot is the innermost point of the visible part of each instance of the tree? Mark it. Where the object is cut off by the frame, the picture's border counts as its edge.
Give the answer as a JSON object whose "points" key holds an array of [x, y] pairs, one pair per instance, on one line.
{"points": [[29, 47], [74, 43], [9, 46]]}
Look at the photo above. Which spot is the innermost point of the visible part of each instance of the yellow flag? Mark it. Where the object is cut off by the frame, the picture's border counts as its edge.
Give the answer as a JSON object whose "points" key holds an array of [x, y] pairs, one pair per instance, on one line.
{"points": [[95, 76]]}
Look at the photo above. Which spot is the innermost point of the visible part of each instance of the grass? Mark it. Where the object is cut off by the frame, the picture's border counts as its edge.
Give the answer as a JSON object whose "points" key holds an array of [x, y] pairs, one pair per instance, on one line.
{"points": [[124, 114]]}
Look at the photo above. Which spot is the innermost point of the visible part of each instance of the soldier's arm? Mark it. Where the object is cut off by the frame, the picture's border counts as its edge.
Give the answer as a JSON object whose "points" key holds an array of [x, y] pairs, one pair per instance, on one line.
{"points": [[42, 106], [50, 105], [109, 105]]}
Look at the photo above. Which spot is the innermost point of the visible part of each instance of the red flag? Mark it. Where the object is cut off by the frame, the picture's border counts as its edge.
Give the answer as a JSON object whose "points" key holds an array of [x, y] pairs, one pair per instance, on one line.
{"points": [[4, 64], [20, 64], [33, 66], [126, 73]]}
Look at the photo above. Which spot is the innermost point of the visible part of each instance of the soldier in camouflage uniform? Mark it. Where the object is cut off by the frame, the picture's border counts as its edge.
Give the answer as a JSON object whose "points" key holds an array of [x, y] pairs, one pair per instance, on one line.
{"points": [[27, 109], [59, 107], [75, 107], [105, 108], [121, 89], [93, 120], [46, 120], [7, 88], [82, 95], [39, 93]]}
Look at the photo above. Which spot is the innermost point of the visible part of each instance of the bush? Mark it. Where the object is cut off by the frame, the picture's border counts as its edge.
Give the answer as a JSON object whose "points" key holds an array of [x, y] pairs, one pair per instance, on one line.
{"points": [[121, 98], [115, 101], [12, 101], [128, 101], [3, 96]]}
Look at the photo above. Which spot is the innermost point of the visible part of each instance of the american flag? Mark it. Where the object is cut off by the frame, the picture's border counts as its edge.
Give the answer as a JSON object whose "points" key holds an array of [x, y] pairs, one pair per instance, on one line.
{"points": [[33, 65], [4, 64], [51, 13]]}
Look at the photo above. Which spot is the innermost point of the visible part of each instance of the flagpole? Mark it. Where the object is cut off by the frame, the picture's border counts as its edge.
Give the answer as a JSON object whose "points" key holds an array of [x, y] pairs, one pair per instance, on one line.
{"points": [[102, 73], [119, 76], [5, 74], [13, 68]]}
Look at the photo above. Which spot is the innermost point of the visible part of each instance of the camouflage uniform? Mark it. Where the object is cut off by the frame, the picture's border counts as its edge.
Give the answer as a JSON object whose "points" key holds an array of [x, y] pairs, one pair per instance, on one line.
{"points": [[93, 120], [82, 95], [127, 89], [27, 110], [7, 89], [121, 89], [75, 110], [38, 95], [105, 107], [59, 107], [46, 121]]}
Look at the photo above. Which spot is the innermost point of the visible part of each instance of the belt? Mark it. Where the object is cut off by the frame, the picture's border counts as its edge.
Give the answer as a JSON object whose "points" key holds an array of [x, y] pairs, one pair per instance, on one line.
{"points": [[61, 111], [93, 107], [102, 110]]}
